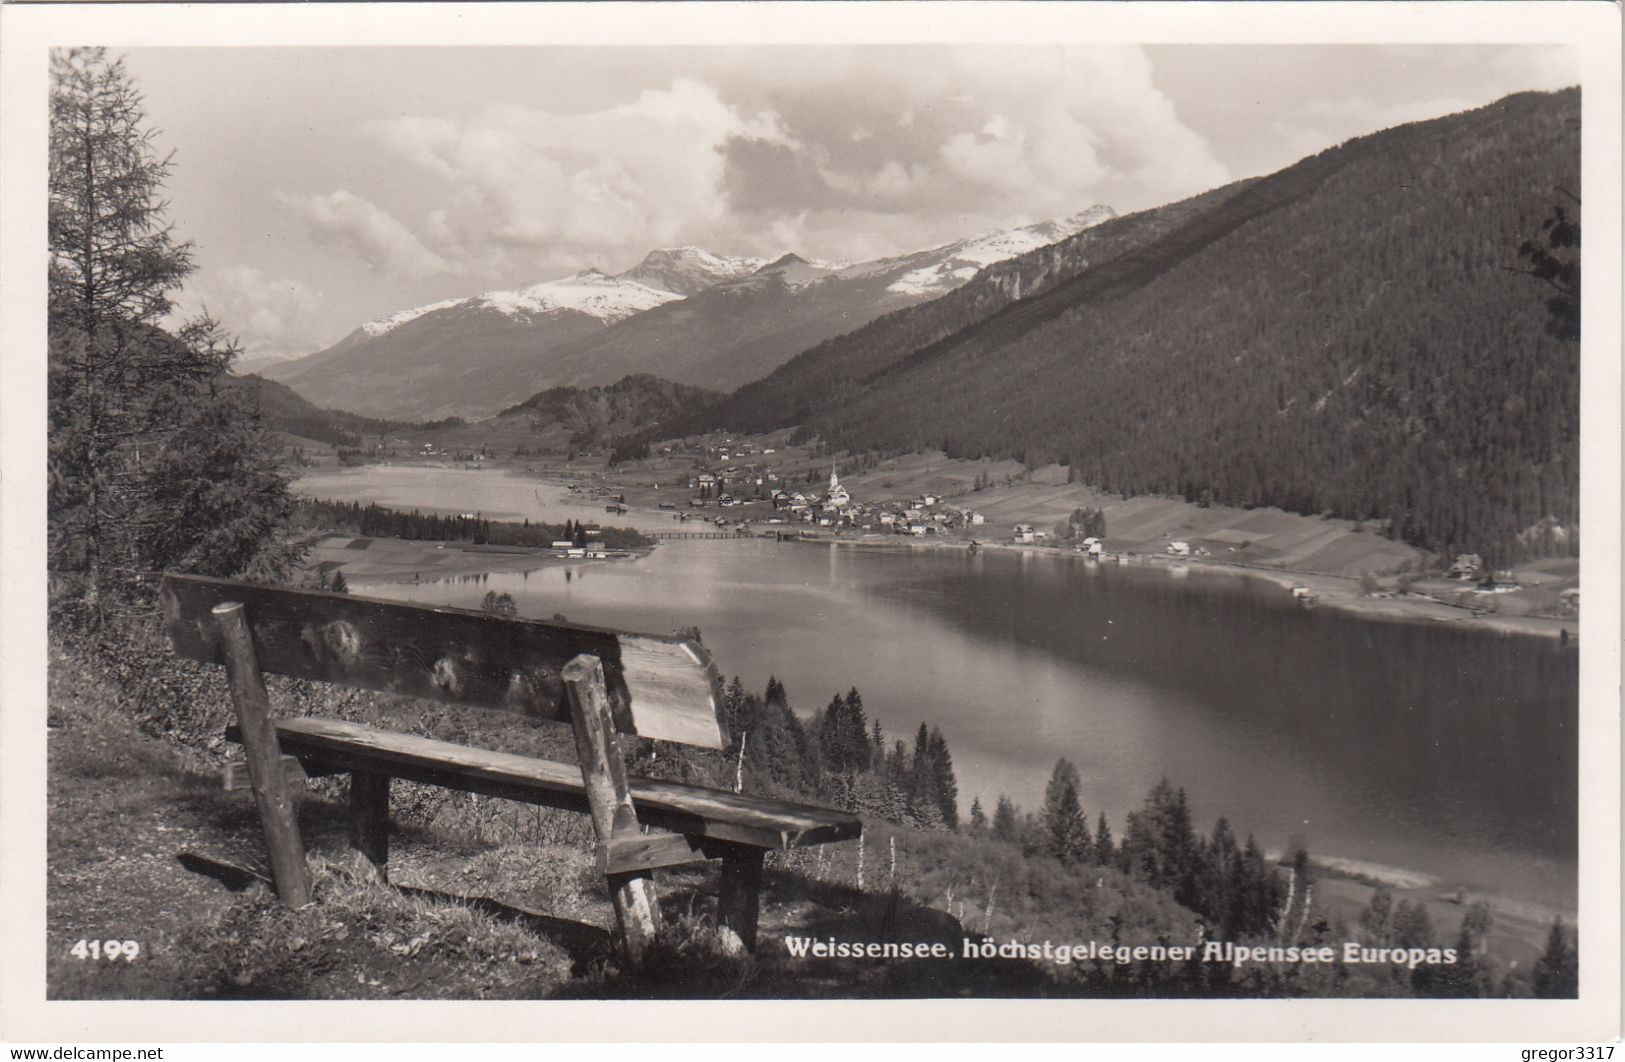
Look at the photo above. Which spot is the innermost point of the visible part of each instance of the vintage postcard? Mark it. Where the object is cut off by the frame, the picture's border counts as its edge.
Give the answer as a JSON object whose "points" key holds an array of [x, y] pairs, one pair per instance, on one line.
{"points": [[987, 520]]}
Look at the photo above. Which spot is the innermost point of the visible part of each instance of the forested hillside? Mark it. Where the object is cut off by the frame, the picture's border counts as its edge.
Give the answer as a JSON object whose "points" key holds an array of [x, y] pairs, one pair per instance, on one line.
{"points": [[1350, 335], [284, 410], [595, 414], [833, 370]]}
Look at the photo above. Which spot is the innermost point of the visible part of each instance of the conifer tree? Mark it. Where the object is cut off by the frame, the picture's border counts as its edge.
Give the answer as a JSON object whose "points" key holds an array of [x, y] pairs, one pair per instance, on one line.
{"points": [[1413, 926], [1105, 852], [1066, 829], [1006, 821], [922, 776], [944, 787], [152, 465], [1376, 918], [1557, 971], [1471, 975]]}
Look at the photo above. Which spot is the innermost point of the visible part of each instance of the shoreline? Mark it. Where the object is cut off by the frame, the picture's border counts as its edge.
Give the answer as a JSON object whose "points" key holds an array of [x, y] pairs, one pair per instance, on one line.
{"points": [[408, 560], [1333, 591]]}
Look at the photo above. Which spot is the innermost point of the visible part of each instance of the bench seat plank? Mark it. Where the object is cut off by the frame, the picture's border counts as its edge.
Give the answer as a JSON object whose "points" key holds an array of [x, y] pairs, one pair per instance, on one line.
{"points": [[695, 811]]}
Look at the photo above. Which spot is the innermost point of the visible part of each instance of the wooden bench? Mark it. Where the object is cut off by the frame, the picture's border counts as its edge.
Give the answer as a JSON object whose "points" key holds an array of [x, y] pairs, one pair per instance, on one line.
{"points": [[600, 682]]}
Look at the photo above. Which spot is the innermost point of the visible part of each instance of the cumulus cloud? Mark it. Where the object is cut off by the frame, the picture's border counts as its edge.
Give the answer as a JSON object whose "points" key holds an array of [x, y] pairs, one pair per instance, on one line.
{"points": [[270, 316], [347, 221], [837, 153], [940, 143], [531, 185]]}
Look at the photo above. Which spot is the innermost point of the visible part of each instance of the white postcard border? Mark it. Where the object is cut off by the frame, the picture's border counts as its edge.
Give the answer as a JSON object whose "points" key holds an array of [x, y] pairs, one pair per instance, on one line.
{"points": [[28, 31]]}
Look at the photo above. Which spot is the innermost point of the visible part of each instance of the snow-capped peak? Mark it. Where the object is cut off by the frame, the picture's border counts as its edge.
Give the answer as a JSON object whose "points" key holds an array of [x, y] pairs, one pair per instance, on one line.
{"points": [[379, 325], [590, 291], [794, 271], [956, 263], [688, 270]]}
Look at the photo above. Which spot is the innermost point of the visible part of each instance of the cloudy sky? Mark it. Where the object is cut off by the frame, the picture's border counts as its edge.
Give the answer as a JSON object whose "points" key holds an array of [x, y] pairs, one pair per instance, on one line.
{"points": [[328, 186]]}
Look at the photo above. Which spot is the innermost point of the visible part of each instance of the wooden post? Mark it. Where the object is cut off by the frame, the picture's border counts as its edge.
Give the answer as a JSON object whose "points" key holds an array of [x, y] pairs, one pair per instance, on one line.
{"points": [[369, 818], [738, 895], [609, 799], [265, 771]]}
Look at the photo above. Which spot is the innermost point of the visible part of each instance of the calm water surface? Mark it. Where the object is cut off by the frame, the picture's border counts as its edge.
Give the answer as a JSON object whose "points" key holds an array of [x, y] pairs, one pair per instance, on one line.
{"points": [[1426, 746]]}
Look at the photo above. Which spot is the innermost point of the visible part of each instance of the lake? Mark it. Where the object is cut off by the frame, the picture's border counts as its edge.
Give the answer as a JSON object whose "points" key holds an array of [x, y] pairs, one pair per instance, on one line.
{"points": [[1426, 746]]}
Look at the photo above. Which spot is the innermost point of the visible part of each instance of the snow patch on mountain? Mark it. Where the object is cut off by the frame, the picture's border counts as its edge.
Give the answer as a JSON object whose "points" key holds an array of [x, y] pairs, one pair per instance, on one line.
{"points": [[792, 270], [378, 326], [590, 291], [957, 263], [689, 270]]}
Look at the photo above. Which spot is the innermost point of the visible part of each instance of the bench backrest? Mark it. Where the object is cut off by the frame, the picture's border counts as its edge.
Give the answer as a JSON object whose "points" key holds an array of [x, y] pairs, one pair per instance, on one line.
{"points": [[659, 687]]}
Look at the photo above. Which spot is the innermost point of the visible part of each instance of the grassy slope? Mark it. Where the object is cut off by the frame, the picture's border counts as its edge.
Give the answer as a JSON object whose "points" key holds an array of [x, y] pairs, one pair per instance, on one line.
{"points": [[488, 899]]}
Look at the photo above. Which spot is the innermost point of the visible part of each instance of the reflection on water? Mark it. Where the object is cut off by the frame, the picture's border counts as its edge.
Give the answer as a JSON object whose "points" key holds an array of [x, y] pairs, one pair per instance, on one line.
{"points": [[1431, 746]]}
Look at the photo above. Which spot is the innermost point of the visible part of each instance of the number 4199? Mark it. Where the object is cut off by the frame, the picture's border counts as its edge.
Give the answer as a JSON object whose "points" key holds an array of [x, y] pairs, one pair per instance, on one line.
{"points": [[106, 949]]}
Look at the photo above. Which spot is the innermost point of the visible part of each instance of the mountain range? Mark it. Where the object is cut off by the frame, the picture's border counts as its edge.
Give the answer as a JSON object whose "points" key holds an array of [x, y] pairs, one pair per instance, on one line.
{"points": [[684, 314], [1352, 335]]}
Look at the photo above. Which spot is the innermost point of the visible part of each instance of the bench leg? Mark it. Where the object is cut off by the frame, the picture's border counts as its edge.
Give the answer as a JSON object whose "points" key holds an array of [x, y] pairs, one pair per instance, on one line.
{"points": [[609, 800], [369, 818], [277, 817], [637, 909], [739, 895]]}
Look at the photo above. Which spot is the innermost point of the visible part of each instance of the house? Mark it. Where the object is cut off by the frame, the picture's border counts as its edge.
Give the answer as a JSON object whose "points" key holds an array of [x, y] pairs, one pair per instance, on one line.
{"points": [[977, 519], [1467, 566], [562, 543], [1179, 549], [1024, 533]]}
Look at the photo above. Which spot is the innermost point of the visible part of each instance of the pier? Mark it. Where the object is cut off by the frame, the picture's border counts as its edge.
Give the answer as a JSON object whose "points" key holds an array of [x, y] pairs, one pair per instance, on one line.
{"points": [[698, 534]]}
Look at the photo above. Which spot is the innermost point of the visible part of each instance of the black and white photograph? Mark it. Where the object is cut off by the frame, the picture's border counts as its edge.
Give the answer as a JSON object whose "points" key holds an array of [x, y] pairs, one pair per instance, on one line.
{"points": [[996, 503]]}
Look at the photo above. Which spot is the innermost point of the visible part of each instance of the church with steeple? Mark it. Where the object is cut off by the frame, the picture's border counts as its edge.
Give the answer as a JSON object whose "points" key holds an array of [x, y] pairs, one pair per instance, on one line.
{"points": [[837, 495]]}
